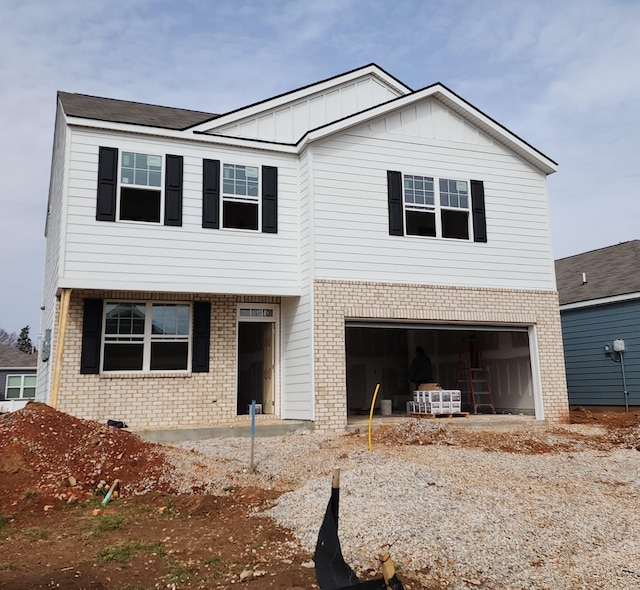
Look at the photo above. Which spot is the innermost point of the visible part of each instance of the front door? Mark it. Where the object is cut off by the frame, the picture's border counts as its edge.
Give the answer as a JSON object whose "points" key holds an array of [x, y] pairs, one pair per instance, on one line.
{"points": [[256, 359]]}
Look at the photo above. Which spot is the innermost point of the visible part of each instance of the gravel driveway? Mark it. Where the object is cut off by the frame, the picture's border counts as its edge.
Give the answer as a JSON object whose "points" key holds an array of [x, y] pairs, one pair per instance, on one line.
{"points": [[515, 507]]}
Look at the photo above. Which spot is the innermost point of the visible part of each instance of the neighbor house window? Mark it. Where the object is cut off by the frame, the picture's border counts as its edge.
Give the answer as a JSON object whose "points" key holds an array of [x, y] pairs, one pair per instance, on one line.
{"points": [[140, 187], [20, 387], [240, 197], [436, 207], [146, 336]]}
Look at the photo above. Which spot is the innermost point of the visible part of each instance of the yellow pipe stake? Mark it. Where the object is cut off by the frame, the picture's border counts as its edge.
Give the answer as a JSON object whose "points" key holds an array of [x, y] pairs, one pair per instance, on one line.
{"points": [[373, 403]]}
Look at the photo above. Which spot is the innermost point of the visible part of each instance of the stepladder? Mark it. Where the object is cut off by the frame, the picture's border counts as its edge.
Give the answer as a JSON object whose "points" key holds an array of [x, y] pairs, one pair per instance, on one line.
{"points": [[472, 378]]}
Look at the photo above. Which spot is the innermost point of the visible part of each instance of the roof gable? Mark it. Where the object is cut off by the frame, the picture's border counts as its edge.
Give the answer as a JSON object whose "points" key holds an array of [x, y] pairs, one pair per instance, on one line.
{"points": [[308, 107], [609, 272], [12, 358]]}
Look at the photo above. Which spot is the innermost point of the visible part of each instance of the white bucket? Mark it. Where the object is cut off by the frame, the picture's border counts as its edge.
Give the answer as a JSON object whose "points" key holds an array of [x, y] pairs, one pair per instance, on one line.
{"points": [[385, 407]]}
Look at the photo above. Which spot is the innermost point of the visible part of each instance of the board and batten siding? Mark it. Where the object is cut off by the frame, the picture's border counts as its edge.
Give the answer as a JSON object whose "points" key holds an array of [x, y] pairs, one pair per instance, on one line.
{"points": [[289, 123], [351, 219], [53, 246], [297, 321], [155, 257], [592, 377]]}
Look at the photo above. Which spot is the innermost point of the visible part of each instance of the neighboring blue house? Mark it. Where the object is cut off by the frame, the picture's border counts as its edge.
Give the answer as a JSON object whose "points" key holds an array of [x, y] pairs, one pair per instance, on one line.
{"points": [[17, 378], [600, 312]]}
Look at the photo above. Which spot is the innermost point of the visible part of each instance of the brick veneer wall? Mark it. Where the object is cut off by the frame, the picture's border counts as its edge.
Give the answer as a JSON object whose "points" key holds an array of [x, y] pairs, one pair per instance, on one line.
{"points": [[336, 301], [155, 401]]}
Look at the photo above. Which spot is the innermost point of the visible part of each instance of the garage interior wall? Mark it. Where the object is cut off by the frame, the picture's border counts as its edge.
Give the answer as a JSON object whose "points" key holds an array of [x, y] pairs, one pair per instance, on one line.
{"points": [[383, 355]]}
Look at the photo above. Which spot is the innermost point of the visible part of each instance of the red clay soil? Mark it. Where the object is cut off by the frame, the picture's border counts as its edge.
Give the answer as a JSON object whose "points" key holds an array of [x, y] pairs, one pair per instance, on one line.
{"points": [[48, 457]]}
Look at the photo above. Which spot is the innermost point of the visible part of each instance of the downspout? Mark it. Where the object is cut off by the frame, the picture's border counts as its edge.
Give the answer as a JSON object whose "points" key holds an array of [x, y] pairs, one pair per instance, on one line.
{"points": [[62, 328]]}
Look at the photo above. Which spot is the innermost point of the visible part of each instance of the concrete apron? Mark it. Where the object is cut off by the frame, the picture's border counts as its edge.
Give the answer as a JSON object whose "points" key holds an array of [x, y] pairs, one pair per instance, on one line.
{"points": [[274, 427]]}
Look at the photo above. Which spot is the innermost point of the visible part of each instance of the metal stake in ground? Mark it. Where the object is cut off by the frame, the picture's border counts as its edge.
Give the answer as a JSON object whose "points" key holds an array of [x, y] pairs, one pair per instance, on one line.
{"points": [[253, 434]]}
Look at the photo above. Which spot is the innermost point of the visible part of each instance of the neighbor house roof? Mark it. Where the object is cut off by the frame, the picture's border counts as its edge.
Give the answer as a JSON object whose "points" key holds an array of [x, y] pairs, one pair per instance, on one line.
{"points": [[609, 272], [12, 358], [136, 113]]}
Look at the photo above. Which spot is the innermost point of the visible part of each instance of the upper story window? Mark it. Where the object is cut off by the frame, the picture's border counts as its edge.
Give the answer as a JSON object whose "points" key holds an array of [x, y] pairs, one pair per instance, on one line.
{"points": [[436, 207], [20, 387], [140, 187], [135, 186], [240, 197], [146, 336], [237, 196]]}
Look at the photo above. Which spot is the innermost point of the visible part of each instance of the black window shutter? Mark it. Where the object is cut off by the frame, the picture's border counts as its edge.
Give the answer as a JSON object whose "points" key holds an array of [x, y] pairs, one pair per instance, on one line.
{"points": [[107, 184], [394, 190], [91, 337], [211, 194], [173, 191], [478, 211], [201, 336], [270, 199]]}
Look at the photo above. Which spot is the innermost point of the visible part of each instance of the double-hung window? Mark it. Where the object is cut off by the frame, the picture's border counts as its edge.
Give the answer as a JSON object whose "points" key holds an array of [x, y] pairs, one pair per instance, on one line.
{"points": [[139, 186], [240, 197], [20, 387], [436, 207], [146, 336]]}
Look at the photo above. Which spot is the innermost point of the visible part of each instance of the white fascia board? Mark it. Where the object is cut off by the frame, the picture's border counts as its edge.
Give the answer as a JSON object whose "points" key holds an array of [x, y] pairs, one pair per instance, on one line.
{"points": [[98, 284], [283, 99], [600, 301], [181, 135], [455, 103]]}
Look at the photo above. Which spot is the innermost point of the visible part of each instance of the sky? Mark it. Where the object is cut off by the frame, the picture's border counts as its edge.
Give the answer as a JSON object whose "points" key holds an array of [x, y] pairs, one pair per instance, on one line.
{"points": [[561, 74]]}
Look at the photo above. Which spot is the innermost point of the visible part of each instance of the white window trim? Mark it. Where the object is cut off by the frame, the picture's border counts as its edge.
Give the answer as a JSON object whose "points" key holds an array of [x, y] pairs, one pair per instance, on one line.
{"points": [[22, 386], [147, 338], [437, 208], [225, 197], [120, 185]]}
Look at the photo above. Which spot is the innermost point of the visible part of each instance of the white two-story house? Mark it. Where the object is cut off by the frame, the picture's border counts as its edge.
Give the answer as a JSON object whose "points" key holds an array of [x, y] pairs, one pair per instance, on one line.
{"points": [[294, 252]]}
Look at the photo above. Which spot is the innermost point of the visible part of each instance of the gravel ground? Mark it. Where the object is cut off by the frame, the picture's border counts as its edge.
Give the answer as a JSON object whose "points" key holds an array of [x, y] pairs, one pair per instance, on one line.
{"points": [[460, 515]]}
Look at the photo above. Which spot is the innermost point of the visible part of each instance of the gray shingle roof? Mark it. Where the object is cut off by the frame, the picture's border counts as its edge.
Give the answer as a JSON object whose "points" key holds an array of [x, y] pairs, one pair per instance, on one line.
{"points": [[11, 357], [137, 113], [610, 271]]}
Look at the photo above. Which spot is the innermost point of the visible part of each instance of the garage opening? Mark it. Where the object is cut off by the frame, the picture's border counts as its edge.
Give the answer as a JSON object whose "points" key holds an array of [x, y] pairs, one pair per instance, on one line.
{"points": [[379, 352]]}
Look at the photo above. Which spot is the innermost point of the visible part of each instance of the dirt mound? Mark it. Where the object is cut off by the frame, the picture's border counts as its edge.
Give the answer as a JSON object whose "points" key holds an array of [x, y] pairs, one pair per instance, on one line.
{"points": [[49, 457], [614, 429]]}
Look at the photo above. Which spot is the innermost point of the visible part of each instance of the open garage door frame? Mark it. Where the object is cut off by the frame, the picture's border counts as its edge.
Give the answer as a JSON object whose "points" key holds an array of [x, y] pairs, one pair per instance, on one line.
{"points": [[504, 371]]}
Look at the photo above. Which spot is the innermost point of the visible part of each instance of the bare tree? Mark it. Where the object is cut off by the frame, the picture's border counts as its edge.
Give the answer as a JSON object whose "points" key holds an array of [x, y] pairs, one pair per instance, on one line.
{"points": [[7, 338]]}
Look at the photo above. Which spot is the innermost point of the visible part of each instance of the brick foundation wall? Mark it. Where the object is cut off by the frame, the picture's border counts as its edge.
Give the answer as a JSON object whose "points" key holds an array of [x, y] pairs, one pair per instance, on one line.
{"points": [[336, 301]]}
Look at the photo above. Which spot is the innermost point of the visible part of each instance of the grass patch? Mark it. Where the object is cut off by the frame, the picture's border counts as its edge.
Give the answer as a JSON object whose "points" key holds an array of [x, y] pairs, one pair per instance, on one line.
{"points": [[35, 533], [177, 575], [123, 552], [4, 521], [215, 565], [107, 522]]}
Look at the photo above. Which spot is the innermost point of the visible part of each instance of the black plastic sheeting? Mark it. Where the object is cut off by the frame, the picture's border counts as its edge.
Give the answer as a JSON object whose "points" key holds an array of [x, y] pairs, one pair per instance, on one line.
{"points": [[332, 572]]}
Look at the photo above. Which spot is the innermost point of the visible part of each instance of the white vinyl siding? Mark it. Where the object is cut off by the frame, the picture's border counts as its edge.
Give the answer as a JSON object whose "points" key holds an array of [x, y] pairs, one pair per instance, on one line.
{"points": [[287, 124], [297, 322], [351, 217], [139, 256], [54, 237]]}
